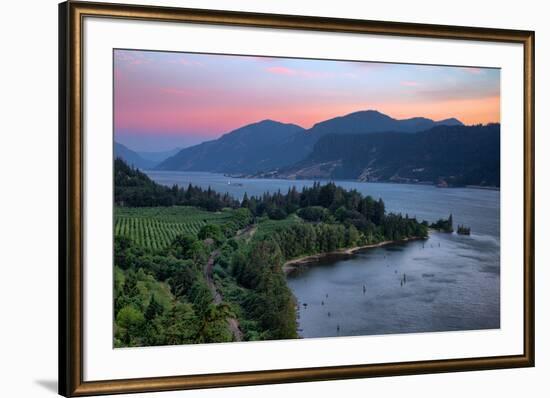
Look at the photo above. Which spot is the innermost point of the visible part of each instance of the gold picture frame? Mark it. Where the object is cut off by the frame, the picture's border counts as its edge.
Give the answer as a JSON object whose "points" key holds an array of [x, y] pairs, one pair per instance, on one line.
{"points": [[71, 239]]}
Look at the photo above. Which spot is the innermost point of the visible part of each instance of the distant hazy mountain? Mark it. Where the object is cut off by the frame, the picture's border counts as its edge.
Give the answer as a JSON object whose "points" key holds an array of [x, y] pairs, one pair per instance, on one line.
{"points": [[159, 156], [133, 158], [246, 150], [364, 122], [453, 155], [270, 145]]}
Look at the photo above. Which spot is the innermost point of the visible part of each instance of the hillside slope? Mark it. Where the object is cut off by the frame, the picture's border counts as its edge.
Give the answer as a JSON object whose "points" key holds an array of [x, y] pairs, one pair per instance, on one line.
{"points": [[454, 155]]}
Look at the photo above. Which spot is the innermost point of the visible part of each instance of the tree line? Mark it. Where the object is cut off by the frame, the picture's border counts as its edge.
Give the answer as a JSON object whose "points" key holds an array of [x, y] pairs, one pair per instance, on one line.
{"points": [[326, 203], [135, 189], [346, 217]]}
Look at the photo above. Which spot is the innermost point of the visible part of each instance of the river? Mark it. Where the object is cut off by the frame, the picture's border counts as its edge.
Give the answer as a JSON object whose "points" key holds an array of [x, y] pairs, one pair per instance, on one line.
{"points": [[449, 282]]}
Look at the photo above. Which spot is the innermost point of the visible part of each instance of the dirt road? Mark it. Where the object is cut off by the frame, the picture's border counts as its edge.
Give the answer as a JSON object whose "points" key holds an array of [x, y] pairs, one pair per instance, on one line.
{"points": [[232, 322]]}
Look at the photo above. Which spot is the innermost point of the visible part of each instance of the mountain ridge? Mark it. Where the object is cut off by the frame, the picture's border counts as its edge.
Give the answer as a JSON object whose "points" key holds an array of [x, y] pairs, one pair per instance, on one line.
{"points": [[370, 121], [241, 150], [132, 157], [268, 144], [158, 156]]}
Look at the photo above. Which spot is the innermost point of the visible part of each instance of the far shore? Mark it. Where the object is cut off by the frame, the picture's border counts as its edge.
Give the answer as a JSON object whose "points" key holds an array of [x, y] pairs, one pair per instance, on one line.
{"points": [[269, 177], [318, 178], [296, 263]]}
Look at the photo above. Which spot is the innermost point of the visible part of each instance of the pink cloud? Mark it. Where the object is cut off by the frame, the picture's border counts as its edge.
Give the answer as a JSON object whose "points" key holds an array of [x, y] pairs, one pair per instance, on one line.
{"points": [[281, 70], [410, 83]]}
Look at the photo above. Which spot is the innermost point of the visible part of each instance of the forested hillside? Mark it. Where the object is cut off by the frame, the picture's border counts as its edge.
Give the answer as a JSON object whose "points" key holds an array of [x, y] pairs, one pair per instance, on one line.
{"points": [[195, 266], [454, 155]]}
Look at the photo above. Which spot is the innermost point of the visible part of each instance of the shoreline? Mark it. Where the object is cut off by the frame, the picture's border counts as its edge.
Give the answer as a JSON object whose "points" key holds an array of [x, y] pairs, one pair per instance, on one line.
{"points": [[252, 177], [292, 265]]}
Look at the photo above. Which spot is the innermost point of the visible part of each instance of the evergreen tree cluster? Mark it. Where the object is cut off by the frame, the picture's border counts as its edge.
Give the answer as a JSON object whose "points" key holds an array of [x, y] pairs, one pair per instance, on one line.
{"points": [[337, 209], [162, 298], [135, 189], [270, 301], [328, 196], [443, 225]]}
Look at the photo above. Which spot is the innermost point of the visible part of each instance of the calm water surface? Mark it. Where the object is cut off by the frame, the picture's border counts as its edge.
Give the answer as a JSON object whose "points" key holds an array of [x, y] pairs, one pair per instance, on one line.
{"points": [[449, 282]]}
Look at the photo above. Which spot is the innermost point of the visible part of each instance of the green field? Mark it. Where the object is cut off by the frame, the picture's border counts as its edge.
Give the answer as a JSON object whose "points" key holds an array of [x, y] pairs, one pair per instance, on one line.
{"points": [[267, 226], [155, 227]]}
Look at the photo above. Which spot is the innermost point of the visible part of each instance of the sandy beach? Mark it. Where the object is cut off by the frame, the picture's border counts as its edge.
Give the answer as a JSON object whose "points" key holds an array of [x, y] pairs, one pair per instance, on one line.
{"points": [[295, 263]]}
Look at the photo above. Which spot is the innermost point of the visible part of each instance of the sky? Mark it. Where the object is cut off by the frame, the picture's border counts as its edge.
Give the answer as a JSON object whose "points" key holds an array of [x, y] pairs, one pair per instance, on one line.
{"points": [[164, 100]]}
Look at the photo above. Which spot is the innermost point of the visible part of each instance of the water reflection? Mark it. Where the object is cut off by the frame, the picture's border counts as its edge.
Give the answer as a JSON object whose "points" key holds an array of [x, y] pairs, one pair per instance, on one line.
{"points": [[413, 287]]}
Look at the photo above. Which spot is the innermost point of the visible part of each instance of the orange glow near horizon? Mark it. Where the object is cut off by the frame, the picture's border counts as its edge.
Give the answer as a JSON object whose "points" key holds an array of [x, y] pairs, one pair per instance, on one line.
{"points": [[204, 96]]}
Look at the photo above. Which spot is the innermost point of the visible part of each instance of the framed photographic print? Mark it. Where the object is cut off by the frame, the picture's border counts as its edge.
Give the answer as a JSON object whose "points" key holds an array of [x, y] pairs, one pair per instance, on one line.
{"points": [[251, 198]]}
